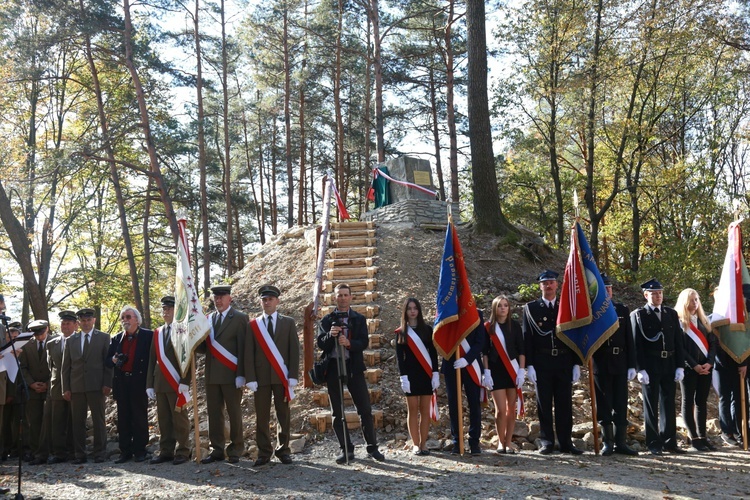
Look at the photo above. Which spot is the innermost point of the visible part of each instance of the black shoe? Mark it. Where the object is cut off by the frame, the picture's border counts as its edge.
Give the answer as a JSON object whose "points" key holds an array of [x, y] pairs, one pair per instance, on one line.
{"points": [[655, 450], [341, 459], [624, 449], [572, 450], [698, 444], [233, 460], [375, 454], [607, 449], [211, 459], [123, 459], [38, 461], [261, 461], [55, 460], [675, 450], [286, 459], [180, 459], [160, 460], [99, 460], [79, 461], [4, 491], [710, 446], [476, 451], [28, 457], [546, 449], [140, 458]]}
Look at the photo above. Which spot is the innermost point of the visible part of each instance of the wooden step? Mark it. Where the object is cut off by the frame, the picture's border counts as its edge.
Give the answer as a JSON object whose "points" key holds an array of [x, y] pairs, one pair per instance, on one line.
{"points": [[373, 375], [372, 357], [342, 273], [377, 340], [337, 226], [356, 285], [353, 233], [323, 420], [368, 311], [372, 326], [351, 252], [328, 299], [321, 397], [355, 262], [354, 242]]}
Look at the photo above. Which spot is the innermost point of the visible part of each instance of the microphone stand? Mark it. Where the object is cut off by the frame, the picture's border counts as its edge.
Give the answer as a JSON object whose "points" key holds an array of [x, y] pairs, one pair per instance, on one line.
{"points": [[343, 378]]}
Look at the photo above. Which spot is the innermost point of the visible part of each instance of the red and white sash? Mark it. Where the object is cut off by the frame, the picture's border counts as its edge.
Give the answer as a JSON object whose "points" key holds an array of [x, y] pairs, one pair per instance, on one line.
{"points": [[423, 356], [272, 354], [169, 371], [475, 372], [220, 352], [511, 365], [698, 337]]}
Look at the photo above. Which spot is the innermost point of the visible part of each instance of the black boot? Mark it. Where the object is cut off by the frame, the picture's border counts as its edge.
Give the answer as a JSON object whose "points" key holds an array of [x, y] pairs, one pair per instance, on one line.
{"points": [[621, 446], [608, 449]]}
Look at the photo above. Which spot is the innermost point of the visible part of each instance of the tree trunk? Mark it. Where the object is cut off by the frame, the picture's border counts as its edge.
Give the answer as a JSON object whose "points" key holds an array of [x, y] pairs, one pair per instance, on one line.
{"points": [[227, 151], [202, 156], [146, 311], [378, 67], [436, 133], [339, 176], [450, 109], [288, 121]]}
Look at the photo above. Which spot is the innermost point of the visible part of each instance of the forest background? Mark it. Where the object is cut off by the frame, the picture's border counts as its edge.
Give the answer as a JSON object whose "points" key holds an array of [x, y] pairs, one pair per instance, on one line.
{"points": [[115, 116]]}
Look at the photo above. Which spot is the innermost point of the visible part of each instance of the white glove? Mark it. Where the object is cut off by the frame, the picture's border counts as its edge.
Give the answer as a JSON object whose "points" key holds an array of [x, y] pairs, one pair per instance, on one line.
{"points": [[576, 373], [520, 377], [292, 383], [643, 377], [531, 374], [151, 393], [183, 389], [679, 374], [253, 386], [239, 382], [435, 381], [405, 385], [631, 373], [460, 363], [487, 379]]}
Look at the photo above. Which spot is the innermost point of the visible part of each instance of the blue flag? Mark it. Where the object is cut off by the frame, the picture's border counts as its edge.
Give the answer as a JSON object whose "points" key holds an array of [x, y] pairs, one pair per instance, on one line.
{"points": [[587, 317]]}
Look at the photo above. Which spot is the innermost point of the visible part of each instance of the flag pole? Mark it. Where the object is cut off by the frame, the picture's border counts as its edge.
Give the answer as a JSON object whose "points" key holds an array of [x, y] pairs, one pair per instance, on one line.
{"points": [[744, 411], [592, 391], [459, 393], [196, 416]]}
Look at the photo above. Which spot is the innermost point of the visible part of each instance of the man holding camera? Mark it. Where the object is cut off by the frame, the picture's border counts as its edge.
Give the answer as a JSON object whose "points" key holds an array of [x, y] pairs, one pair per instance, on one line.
{"points": [[128, 355], [343, 332]]}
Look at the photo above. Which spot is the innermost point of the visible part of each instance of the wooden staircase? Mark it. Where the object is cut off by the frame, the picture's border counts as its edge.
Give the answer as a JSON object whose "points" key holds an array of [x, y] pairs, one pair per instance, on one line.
{"points": [[352, 259]]}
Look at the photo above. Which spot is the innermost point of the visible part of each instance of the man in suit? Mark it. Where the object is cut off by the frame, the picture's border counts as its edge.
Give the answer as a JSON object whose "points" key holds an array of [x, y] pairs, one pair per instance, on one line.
{"points": [[171, 392], [58, 419], [225, 375], [551, 367], [347, 328], [86, 382], [36, 374], [614, 366], [659, 360], [128, 355], [262, 372]]}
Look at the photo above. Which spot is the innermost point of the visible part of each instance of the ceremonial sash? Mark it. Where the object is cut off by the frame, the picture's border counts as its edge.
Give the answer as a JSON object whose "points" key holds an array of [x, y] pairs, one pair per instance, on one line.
{"points": [[698, 337], [475, 372], [423, 356], [220, 352], [511, 365], [169, 371], [268, 346]]}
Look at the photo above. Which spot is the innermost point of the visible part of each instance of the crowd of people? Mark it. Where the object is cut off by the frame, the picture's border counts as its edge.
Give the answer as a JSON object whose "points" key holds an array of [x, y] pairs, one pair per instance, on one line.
{"points": [[64, 378]]}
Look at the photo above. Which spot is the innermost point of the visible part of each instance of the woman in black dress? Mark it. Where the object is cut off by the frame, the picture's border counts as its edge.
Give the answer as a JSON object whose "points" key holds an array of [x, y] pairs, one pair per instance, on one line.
{"points": [[700, 355], [505, 371], [417, 365]]}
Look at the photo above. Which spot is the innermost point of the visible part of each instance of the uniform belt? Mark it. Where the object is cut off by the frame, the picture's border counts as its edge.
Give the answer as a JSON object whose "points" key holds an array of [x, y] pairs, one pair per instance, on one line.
{"points": [[554, 352], [660, 354], [615, 350], [127, 374]]}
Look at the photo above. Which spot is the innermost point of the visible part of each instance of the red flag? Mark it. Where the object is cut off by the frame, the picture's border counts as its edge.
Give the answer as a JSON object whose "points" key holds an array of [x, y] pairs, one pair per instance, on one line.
{"points": [[575, 303], [340, 203]]}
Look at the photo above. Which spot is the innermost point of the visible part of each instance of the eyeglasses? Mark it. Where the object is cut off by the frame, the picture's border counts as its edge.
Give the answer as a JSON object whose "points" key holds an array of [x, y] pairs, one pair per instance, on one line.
{"points": [[126, 316]]}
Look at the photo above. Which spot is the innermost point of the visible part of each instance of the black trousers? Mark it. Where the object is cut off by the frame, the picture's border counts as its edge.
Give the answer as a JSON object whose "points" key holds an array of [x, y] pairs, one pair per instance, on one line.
{"points": [[360, 396], [473, 398], [730, 402], [694, 396], [554, 389], [661, 426], [611, 398], [132, 417]]}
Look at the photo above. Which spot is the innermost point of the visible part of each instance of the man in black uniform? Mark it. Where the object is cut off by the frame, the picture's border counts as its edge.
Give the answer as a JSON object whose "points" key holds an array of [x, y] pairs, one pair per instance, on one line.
{"points": [[614, 366], [551, 367], [659, 361]]}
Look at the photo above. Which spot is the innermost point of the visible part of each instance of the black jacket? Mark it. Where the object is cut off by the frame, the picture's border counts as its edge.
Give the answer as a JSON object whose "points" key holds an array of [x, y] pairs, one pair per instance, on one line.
{"points": [[357, 332]]}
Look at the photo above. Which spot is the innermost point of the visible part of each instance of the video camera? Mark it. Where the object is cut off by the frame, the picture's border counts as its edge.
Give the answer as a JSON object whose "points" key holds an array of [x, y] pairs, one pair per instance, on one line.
{"points": [[122, 358], [338, 318]]}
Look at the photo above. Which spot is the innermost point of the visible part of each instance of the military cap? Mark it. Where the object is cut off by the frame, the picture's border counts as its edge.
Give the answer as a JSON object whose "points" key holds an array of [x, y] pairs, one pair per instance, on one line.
{"points": [[167, 301], [548, 275], [651, 285], [15, 324], [86, 313], [221, 289], [607, 280], [38, 326], [268, 291], [67, 315]]}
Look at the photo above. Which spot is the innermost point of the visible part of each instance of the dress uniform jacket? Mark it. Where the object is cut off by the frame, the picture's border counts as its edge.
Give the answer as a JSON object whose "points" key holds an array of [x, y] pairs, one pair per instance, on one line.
{"points": [[59, 423], [258, 368], [232, 335], [34, 368], [617, 354]]}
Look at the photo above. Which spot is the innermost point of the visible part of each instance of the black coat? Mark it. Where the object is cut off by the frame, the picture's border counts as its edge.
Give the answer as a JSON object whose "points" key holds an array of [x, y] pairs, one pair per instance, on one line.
{"points": [[140, 364], [617, 354], [358, 337], [652, 337], [543, 347], [693, 354]]}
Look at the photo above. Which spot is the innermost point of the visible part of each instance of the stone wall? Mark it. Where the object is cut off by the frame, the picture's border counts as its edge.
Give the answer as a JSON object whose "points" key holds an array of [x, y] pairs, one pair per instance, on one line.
{"points": [[416, 212]]}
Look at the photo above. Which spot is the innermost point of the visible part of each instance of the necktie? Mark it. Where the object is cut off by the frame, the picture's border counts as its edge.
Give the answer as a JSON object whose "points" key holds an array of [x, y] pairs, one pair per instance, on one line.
{"points": [[270, 326], [656, 310], [41, 350], [166, 335], [85, 344], [217, 325]]}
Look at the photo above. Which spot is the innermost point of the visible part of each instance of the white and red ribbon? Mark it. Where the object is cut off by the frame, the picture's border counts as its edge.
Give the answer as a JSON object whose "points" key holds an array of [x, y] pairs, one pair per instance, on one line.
{"points": [[511, 365], [220, 352], [423, 356], [475, 371], [376, 172], [268, 346], [340, 202], [169, 371], [699, 339]]}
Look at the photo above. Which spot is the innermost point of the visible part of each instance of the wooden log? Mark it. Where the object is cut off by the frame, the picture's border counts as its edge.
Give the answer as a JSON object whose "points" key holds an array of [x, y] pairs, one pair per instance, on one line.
{"points": [[375, 395], [343, 273], [370, 311], [338, 226], [353, 233], [377, 418], [373, 375], [351, 252], [356, 285], [372, 357], [377, 340], [354, 242], [373, 325], [351, 262]]}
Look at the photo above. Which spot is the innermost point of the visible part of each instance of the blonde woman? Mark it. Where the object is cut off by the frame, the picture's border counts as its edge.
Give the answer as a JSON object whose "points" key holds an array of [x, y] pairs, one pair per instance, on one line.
{"points": [[505, 369], [700, 355]]}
